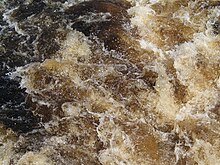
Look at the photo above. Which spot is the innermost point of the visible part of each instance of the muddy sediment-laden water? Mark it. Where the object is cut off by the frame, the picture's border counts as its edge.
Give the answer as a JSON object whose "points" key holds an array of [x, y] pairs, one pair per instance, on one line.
{"points": [[109, 82]]}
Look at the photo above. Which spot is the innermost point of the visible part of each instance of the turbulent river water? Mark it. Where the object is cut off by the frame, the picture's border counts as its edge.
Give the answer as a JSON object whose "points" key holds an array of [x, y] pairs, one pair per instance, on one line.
{"points": [[109, 82]]}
